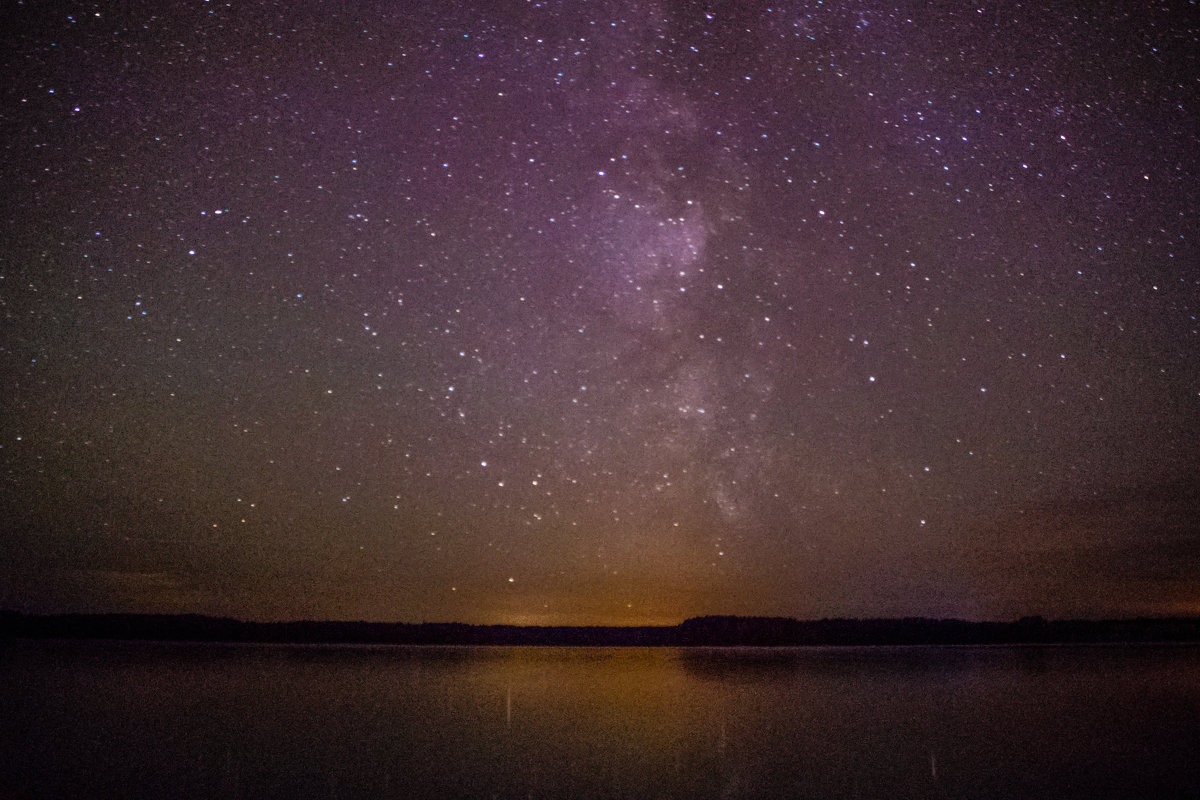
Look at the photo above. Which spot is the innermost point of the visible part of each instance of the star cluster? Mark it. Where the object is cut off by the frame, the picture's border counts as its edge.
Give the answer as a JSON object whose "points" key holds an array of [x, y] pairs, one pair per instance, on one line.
{"points": [[546, 312]]}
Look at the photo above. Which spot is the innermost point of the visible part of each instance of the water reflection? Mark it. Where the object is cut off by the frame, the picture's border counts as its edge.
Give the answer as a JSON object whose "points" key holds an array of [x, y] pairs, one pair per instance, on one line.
{"points": [[121, 719]]}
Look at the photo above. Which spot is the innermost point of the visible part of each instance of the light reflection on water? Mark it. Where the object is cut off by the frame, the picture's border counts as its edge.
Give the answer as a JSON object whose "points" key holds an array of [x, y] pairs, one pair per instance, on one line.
{"points": [[113, 719]]}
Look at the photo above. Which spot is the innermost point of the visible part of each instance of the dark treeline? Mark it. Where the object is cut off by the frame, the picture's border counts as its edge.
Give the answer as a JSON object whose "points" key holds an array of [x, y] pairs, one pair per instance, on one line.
{"points": [[712, 631]]}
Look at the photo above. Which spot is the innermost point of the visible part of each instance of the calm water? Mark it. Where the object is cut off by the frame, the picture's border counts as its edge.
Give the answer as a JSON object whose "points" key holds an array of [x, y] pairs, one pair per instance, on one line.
{"points": [[115, 719]]}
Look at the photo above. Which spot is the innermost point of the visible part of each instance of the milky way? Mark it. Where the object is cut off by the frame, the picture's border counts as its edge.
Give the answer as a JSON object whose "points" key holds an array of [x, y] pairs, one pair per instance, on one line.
{"points": [[618, 312]]}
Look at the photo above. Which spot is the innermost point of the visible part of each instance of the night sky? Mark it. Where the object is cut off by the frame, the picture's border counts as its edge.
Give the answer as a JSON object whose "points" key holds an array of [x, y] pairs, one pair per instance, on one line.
{"points": [[619, 313]]}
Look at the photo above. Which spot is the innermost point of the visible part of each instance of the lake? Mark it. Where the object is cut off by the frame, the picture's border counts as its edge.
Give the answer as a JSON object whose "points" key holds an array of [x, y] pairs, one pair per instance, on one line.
{"points": [[130, 719]]}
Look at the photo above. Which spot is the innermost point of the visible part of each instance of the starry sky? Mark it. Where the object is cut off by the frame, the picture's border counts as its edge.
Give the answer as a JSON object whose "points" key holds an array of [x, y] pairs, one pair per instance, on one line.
{"points": [[613, 312]]}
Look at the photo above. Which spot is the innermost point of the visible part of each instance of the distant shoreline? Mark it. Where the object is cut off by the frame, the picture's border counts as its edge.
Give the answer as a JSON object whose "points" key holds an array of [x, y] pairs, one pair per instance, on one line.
{"points": [[708, 631]]}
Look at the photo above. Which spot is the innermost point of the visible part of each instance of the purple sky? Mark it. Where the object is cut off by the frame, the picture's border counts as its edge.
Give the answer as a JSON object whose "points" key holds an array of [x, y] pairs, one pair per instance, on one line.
{"points": [[600, 312]]}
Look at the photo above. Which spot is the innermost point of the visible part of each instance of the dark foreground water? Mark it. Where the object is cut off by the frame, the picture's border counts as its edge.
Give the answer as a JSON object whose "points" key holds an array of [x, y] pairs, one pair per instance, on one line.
{"points": [[121, 719]]}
